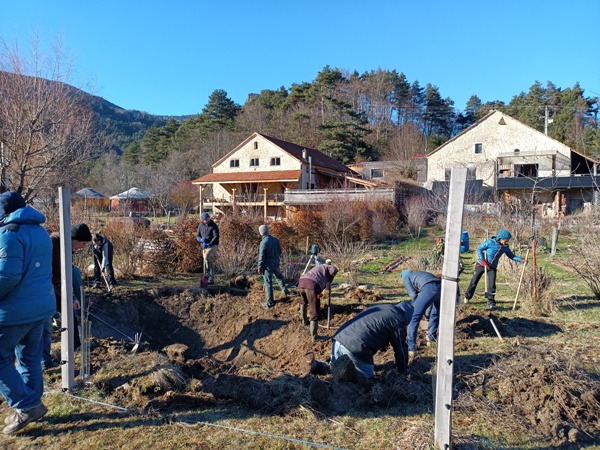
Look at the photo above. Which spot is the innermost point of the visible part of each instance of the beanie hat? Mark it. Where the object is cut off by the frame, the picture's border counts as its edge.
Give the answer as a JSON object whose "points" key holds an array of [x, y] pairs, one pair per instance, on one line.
{"points": [[328, 261], [81, 232], [503, 234], [205, 216], [405, 273], [10, 201], [263, 230]]}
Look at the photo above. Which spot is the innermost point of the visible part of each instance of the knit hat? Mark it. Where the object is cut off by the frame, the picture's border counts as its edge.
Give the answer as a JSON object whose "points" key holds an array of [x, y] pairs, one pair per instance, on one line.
{"points": [[328, 261], [503, 234], [405, 273], [263, 230], [81, 232], [10, 201], [205, 216]]}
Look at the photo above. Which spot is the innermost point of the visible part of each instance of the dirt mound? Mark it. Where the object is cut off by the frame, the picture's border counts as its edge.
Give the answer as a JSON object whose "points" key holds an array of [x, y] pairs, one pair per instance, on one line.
{"points": [[540, 389], [203, 347]]}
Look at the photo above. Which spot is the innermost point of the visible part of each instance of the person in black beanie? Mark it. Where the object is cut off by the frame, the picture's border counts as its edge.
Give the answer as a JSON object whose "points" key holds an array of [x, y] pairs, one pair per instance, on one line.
{"points": [[80, 238]]}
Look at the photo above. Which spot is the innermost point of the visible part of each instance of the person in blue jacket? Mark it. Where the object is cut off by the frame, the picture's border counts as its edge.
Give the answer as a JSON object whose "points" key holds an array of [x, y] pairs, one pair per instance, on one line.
{"points": [[494, 248], [424, 290], [26, 302]]}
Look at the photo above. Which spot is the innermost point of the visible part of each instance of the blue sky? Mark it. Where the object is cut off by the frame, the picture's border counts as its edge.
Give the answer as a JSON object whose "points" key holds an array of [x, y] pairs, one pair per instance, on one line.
{"points": [[167, 57]]}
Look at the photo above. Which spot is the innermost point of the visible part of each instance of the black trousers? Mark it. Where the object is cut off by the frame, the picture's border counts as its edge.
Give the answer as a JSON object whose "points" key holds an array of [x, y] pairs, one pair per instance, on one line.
{"points": [[491, 292]]}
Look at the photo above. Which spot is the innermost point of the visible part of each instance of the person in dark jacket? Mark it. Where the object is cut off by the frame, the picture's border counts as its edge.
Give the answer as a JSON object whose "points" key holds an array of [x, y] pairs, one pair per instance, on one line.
{"points": [[370, 331], [424, 290], [208, 236], [269, 258], [310, 287], [103, 261], [80, 238], [488, 255], [26, 303]]}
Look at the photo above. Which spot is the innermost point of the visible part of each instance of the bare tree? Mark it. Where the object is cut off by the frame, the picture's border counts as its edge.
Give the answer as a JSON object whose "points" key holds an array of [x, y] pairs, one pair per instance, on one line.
{"points": [[45, 128]]}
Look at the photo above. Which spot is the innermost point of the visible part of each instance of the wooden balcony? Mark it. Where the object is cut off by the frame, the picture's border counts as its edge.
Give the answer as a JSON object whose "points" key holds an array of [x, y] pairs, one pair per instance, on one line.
{"points": [[320, 196]]}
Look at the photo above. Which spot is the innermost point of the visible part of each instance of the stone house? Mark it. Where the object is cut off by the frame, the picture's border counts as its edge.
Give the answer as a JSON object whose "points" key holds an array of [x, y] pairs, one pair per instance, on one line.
{"points": [[510, 158]]}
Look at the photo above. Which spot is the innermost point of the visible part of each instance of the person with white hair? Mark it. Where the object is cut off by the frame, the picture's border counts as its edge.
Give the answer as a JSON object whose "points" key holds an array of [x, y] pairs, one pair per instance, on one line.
{"points": [[269, 258]]}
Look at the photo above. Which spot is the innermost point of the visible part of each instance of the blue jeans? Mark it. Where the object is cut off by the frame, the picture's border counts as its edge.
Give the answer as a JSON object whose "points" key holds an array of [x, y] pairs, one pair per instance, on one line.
{"points": [[21, 385], [428, 296], [268, 277], [337, 350]]}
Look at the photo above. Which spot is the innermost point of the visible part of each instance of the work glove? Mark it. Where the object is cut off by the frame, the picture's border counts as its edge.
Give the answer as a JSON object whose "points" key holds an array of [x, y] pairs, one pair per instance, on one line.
{"points": [[260, 271], [205, 246], [484, 263], [203, 240]]}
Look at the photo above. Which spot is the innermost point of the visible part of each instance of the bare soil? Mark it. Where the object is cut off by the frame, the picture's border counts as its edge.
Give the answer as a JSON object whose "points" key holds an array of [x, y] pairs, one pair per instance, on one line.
{"points": [[219, 346]]}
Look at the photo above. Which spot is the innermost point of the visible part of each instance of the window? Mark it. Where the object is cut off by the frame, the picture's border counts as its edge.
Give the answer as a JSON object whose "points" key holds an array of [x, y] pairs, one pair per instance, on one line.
{"points": [[275, 161], [478, 148], [447, 174], [376, 173], [234, 163], [256, 146], [254, 162], [472, 173]]}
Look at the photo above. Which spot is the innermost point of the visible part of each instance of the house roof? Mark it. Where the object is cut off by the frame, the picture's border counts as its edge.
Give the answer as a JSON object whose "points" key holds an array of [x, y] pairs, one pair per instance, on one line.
{"points": [[133, 193], [486, 117], [249, 177], [318, 159], [89, 193]]}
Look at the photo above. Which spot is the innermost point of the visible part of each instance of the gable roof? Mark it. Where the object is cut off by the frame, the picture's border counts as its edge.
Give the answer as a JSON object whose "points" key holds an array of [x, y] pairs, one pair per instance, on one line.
{"points": [[249, 177], [318, 159], [487, 117]]}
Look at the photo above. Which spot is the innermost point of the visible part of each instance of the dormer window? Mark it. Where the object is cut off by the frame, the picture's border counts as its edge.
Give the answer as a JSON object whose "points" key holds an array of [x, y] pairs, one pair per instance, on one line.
{"points": [[254, 162], [275, 161], [234, 163]]}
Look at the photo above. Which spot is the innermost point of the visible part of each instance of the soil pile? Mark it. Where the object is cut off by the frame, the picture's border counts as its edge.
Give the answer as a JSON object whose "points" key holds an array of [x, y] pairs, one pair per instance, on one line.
{"points": [[203, 347]]}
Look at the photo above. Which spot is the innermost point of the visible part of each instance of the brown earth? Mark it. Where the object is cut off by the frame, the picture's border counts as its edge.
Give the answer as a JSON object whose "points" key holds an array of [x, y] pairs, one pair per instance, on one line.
{"points": [[205, 347]]}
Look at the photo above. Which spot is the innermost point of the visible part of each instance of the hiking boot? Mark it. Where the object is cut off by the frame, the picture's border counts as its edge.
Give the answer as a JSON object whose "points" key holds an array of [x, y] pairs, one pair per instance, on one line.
{"points": [[20, 420], [51, 364], [492, 306], [268, 305], [211, 281], [286, 291]]}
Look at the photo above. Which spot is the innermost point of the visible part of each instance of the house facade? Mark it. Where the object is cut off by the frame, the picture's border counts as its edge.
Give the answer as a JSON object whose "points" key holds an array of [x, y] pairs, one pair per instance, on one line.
{"points": [[258, 174], [511, 158]]}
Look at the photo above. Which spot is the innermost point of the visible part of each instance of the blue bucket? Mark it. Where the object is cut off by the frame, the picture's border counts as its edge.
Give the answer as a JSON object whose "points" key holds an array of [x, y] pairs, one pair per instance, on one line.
{"points": [[464, 242]]}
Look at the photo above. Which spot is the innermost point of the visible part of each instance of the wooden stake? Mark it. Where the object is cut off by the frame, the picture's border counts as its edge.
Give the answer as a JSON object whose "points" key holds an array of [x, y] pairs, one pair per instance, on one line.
{"points": [[520, 281]]}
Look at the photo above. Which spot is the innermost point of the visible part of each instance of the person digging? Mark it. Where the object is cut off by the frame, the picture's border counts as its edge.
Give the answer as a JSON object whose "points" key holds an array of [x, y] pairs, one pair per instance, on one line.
{"points": [[372, 330], [310, 287]]}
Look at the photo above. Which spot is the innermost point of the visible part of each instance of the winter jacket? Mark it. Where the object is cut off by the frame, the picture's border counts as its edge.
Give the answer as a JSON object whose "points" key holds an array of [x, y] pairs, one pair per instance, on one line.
{"points": [[493, 251], [209, 232], [103, 252], [77, 281], [415, 281], [317, 278], [269, 252], [376, 327], [26, 291]]}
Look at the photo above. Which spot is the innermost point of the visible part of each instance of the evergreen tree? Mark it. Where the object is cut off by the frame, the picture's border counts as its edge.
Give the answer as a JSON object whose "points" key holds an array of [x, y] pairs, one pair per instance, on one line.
{"points": [[132, 154]]}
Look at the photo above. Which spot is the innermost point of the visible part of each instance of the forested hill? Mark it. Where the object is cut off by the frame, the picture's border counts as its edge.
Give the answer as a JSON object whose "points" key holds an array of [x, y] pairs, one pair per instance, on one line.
{"points": [[121, 126]]}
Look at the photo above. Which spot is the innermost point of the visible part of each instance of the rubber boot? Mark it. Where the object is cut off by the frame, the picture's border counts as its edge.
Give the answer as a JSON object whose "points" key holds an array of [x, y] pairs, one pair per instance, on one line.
{"points": [[303, 315], [314, 331]]}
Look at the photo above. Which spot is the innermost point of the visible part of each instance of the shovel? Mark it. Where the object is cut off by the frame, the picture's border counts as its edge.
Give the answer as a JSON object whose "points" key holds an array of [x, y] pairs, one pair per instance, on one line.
{"points": [[103, 275], [329, 306]]}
